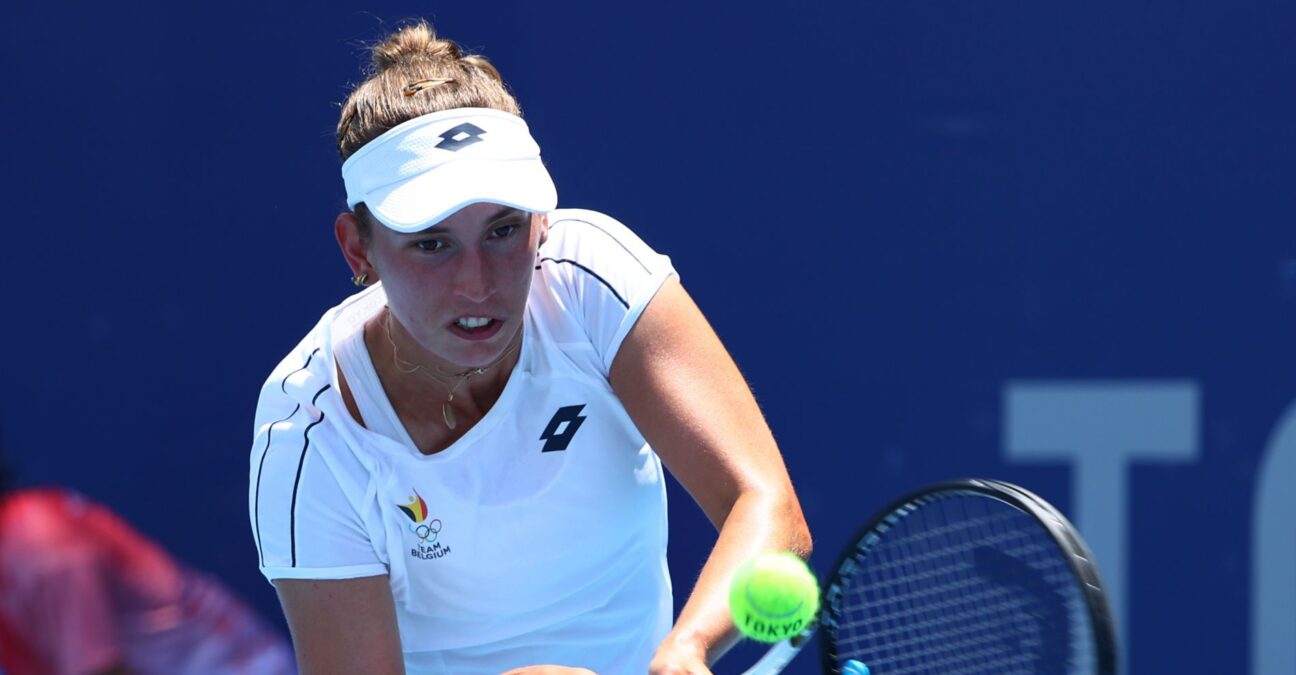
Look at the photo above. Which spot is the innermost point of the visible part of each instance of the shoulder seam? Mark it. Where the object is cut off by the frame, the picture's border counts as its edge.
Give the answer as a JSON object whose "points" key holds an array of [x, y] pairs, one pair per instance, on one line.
{"points": [[610, 236], [589, 272], [283, 386]]}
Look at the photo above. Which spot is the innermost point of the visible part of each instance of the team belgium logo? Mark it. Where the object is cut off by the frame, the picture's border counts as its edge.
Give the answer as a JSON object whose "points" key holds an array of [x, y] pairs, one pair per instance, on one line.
{"points": [[427, 529]]}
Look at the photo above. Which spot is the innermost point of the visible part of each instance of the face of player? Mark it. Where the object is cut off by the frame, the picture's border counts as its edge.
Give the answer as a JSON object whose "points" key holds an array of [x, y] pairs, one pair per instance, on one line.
{"points": [[459, 289]]}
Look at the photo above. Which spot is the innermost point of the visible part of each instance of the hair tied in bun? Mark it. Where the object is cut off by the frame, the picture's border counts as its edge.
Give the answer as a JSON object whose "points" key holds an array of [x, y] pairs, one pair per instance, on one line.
{"points": [[415, 87]]}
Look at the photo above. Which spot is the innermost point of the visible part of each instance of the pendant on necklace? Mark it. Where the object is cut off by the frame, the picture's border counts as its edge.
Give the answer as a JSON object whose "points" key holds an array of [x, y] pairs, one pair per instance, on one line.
{"points": [[448, 413]]}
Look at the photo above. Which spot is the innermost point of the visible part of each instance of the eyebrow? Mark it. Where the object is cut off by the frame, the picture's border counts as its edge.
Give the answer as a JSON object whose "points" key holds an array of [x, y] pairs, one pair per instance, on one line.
{"points": [[504, 213], [499, 215]]}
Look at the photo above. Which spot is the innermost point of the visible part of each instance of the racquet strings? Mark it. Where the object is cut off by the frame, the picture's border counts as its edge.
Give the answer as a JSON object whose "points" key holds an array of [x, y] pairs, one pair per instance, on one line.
{"points": [[965, 584]]}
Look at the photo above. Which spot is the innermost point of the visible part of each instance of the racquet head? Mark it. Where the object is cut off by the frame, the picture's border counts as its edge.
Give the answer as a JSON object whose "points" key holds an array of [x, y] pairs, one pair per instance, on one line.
{"points": [[967, 577]]}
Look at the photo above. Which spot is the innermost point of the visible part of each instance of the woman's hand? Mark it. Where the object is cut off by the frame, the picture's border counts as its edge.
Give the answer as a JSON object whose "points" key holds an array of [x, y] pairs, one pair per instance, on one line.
{"points": [[676, 658]]}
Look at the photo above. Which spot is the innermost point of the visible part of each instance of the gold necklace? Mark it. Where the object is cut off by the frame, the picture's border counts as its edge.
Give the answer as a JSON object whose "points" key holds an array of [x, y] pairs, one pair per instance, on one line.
{"points": [[409, 367]]}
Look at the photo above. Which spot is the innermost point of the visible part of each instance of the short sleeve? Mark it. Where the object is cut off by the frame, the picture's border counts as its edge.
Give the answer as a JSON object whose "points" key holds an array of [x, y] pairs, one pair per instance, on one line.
{"points": [[609, 272], [304, 521]]}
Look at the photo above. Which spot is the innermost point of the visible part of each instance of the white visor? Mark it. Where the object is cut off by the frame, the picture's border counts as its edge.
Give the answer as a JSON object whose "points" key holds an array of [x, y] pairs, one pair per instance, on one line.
{"points": [[425, 169]]}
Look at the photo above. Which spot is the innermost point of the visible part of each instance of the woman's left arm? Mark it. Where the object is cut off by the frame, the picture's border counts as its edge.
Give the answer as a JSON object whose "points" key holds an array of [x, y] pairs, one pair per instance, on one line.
{"points": [[687, 397]]}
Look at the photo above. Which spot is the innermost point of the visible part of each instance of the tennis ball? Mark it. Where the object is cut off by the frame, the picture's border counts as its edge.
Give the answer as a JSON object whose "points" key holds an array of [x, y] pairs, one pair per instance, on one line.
{"points": [[773, 596]]}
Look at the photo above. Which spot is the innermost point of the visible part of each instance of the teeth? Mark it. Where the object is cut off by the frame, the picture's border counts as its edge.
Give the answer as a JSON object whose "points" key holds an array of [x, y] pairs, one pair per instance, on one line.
{"points": [[473, 321]]}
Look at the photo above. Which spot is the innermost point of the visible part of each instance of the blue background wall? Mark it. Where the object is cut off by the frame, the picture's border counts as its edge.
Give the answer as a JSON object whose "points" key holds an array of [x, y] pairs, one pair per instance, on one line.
{"points": [[898, 216]]}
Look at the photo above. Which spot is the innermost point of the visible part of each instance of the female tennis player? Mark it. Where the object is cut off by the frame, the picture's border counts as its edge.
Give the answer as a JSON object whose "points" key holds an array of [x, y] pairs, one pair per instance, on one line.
{"points": [[459, 469]]}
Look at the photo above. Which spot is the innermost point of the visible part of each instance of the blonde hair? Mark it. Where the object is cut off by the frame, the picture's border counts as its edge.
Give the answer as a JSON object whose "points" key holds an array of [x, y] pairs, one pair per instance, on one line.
{"points": [[415, 73]]}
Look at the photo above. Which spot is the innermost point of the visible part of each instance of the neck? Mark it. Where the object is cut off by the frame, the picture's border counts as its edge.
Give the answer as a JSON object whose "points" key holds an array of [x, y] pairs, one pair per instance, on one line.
{"points": [[417, 371]]}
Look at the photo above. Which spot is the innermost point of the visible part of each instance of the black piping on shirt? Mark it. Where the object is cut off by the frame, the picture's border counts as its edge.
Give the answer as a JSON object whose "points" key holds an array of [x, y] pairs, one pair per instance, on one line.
{"points": [[301, 464], [591, 273]]}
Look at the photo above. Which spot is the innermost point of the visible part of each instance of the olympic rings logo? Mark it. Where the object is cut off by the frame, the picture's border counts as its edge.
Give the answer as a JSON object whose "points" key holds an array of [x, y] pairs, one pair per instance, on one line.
{"points": [[427, 532]]}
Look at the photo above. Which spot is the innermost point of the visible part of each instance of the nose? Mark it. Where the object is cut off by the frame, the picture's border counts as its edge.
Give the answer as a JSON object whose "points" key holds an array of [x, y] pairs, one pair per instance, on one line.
{"points": [[472, 279]]}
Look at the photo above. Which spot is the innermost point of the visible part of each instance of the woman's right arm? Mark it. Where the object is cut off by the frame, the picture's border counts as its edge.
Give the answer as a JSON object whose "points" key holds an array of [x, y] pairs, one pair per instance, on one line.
{"points": [[342, 626]]}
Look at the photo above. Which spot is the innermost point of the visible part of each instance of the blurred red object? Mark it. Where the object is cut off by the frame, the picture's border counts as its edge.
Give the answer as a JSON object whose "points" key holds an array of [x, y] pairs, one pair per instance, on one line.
{"points": [[82, 592]]}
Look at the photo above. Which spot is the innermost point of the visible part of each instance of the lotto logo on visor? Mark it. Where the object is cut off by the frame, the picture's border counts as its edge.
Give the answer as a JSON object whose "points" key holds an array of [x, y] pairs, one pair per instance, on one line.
{"points": [[460, 136], [425, 169]]}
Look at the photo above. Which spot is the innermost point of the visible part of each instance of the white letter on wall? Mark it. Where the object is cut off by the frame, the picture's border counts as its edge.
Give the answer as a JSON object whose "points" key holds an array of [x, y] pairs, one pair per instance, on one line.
{"points": [[1273, 554], [1100, 427]]}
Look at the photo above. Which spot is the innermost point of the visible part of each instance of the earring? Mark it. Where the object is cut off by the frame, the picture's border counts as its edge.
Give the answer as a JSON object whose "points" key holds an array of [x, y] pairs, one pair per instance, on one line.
{"points": [[360, 279]]}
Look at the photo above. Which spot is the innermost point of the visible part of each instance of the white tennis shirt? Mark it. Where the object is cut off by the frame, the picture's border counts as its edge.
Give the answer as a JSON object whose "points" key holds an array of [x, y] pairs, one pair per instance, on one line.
{"points": [[537, 537]]}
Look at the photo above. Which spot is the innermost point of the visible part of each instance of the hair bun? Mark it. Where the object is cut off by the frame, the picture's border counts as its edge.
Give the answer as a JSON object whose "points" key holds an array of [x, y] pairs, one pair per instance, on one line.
{"points": [[416, 73], [415, 42]]}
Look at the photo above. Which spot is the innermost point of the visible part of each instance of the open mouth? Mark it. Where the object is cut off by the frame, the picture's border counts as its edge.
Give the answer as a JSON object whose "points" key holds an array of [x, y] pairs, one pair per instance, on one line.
{"points": [[475, 327], [474, 323]]}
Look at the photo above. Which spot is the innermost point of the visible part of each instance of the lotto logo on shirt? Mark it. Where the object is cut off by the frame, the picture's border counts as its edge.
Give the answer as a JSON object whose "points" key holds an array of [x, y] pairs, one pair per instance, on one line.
{"points": [[426, 528]]}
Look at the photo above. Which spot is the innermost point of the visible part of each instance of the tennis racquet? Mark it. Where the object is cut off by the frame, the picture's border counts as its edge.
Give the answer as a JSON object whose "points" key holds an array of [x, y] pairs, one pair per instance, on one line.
{"points": [[966, 577]]}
